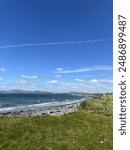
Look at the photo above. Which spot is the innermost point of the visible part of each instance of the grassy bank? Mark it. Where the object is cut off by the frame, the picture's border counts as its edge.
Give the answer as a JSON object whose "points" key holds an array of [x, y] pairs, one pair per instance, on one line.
{"points": [[88, 129]]}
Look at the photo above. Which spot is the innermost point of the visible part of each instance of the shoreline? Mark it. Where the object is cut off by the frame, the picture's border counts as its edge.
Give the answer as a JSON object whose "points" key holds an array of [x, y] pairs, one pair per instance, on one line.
{"points": [[53, 111]]}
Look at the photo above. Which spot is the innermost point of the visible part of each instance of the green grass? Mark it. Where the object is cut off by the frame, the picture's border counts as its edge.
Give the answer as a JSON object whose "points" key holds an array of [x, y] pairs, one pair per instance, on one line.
{"points": [[88, 129]]}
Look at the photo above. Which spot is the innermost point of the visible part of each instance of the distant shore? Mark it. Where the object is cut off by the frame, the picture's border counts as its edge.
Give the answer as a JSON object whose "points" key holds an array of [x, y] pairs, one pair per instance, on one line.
{"points": [[53, 111]]}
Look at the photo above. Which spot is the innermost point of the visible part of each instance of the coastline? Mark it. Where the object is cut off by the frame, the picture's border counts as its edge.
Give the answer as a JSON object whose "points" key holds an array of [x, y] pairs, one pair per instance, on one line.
{"points": [[53, 111]]}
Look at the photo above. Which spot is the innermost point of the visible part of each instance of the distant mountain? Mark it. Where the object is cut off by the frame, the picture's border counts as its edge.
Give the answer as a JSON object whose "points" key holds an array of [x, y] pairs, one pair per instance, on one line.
{"points": [[22, 91]]}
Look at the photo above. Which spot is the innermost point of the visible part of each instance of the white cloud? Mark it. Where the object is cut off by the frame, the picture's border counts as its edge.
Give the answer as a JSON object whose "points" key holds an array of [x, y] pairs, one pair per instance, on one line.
{"points": [[79, 80], [101, 81], [106, 80], [20, 81], [2, 69], [87, 69], [1, 79], [59, 69], [94, 80], [29, 77], [27, 80], [82, 87], [54, 86], [52, 81], [58, 76]]}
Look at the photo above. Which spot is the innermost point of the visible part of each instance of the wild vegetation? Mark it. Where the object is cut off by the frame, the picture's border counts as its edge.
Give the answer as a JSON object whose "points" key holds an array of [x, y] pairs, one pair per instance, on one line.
{"points": [[88, 129]]}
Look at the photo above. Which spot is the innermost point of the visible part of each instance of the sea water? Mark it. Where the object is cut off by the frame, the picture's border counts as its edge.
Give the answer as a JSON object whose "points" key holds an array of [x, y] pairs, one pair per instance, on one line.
{"points": [[29, 101]]}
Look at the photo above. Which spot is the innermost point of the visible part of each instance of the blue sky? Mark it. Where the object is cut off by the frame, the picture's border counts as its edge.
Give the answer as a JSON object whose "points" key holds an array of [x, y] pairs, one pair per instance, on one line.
{"points": [[56, 45]]}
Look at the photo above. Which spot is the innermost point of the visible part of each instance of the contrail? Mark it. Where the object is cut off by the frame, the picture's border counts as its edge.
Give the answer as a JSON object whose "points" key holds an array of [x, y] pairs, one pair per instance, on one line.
{"points": [[51, 43], [87, 69]]}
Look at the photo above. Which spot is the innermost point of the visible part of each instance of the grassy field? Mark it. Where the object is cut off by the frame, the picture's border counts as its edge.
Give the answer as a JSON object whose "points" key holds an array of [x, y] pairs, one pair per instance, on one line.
{"points": [[88, 129]]}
